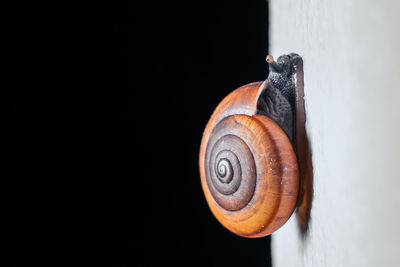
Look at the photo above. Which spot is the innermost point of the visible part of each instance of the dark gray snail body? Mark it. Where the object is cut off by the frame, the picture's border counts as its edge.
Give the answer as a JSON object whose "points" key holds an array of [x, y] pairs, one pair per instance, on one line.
{"points": [[277, 100]]}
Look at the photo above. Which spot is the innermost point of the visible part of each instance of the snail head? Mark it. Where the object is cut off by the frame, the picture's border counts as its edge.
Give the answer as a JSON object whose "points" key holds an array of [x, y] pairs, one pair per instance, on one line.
{"points": [[282, 65]]}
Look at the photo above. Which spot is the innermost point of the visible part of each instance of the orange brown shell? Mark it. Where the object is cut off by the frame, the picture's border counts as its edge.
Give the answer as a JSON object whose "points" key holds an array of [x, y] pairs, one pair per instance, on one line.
{"points": [[248, 168]]}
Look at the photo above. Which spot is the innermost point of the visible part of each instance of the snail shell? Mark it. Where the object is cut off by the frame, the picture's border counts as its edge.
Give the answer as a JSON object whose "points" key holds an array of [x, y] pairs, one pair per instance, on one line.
{"points": [[248, 167]]}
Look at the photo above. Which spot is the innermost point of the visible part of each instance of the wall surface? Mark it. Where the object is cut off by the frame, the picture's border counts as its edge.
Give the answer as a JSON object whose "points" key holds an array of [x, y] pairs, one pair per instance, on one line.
{"points": [[352, 88]]}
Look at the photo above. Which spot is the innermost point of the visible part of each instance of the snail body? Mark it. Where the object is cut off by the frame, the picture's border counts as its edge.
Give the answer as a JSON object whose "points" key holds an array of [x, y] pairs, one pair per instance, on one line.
{"points": [[248, 167]]}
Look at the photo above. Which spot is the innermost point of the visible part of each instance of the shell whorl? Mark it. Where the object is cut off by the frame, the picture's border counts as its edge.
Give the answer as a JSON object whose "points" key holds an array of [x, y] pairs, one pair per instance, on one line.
{"points": [[230, 169]]}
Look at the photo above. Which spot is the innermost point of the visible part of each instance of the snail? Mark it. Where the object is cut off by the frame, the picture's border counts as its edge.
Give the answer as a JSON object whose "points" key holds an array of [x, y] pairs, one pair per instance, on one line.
{"points": [[248, 166]]}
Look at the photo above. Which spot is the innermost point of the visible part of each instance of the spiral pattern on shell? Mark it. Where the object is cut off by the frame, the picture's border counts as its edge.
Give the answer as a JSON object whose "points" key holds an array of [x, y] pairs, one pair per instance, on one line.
{"points": [[249, 168], [231, 170]]}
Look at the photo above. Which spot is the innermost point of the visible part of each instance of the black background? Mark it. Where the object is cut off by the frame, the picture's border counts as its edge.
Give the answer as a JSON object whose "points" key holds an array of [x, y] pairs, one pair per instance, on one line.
{"points": [[126, 91]]}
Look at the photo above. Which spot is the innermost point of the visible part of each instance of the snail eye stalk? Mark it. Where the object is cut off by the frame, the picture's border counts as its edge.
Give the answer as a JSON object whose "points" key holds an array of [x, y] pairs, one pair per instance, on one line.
{"points": [[275, 67]]}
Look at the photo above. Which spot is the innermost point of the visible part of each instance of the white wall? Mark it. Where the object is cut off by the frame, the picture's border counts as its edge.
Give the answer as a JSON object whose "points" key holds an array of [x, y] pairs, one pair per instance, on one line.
{"points": [[352, 85]]}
